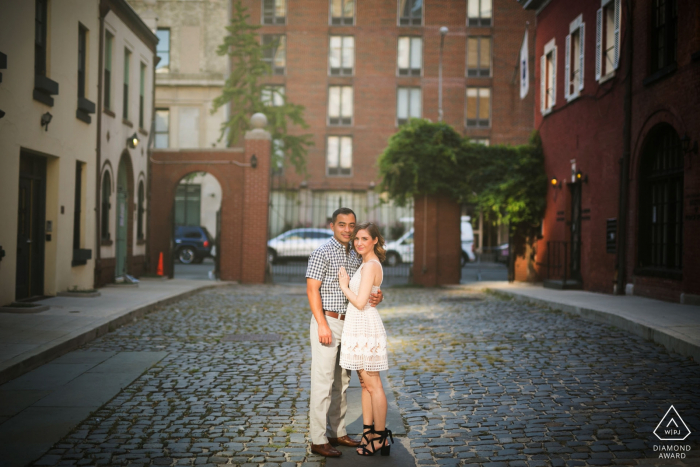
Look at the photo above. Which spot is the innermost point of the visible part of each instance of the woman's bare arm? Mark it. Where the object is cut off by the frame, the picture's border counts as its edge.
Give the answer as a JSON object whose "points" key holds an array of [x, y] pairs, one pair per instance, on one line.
{"points": [[369, 272]]}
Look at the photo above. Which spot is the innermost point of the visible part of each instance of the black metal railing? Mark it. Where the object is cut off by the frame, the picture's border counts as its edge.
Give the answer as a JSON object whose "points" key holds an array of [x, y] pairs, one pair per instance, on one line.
{"points": [[559, 261]]}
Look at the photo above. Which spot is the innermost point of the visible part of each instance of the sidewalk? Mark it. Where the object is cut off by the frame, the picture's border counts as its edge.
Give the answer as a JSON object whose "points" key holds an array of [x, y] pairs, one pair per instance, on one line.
{"points": [[28, 340], [675, 326]]}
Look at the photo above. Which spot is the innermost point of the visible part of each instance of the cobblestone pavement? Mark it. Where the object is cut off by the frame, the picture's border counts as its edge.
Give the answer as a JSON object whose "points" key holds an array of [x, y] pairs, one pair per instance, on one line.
{"points": [[479, 380]]}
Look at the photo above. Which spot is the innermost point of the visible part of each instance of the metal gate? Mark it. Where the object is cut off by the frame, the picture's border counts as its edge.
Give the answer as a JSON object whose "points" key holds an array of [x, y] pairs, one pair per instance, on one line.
{"points": [[299, 223]]}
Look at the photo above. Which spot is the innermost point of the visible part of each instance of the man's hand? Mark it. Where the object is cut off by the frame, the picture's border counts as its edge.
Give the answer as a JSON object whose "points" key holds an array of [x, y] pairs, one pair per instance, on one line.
{"points": [[325, 336], [376, 298]]}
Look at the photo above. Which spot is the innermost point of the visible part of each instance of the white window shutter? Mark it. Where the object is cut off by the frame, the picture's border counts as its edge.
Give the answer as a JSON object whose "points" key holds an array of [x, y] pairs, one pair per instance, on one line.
{"points": [[617, 33], [598, 44], [567, 67], [582, 38], [554, 77], [543, 82]]}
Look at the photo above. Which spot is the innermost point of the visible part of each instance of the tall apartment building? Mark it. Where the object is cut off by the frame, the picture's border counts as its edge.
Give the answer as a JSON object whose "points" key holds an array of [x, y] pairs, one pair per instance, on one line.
{"points": [[362, 68]]}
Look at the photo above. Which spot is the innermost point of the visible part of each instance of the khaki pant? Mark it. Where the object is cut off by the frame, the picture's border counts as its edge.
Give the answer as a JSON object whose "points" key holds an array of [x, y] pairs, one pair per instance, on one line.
{"points": [[329, 383]]}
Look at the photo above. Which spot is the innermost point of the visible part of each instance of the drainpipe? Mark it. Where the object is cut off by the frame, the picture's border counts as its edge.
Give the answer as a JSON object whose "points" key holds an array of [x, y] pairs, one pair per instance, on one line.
{"points": [[103, 10], [625, 161]]}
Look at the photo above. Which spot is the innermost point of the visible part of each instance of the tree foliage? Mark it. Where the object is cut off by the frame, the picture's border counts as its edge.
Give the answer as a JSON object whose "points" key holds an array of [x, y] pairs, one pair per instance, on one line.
{"points": [[244, 91], [505, 182]]}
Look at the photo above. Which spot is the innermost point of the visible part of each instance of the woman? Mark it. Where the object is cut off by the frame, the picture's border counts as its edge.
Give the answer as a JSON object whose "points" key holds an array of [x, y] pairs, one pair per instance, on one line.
{"points": [[363, 340]]}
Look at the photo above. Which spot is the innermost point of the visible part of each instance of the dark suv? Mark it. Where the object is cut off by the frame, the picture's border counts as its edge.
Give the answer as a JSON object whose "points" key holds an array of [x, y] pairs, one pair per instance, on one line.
{"points": [[192, 244]]}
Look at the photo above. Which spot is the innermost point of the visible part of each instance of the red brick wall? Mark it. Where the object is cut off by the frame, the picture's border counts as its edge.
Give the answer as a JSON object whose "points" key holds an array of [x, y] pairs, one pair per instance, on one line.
{"points": [[243, 206], [439, 231], [375, 81]]}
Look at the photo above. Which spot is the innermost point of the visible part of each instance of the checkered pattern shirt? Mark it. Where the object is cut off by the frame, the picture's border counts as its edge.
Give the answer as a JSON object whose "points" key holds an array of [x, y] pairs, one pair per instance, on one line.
{"points": [[324, 264]]}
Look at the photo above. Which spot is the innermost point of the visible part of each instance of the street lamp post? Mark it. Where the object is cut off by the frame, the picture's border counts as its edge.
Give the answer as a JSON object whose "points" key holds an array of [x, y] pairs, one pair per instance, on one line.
{"points": [[443, 33]]}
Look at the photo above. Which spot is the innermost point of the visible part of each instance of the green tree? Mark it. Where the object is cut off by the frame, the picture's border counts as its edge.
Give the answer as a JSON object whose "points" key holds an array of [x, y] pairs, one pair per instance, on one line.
{"points": [[244, 92]]}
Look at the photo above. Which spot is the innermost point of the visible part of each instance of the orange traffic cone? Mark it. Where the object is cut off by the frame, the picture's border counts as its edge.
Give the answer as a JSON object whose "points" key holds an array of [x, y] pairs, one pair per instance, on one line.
{"points": [[160, 264]]}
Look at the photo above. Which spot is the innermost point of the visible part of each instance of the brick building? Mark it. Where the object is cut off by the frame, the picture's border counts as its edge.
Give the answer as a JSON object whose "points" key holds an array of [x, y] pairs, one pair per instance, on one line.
{"points": [[361, 68], [618, 114]]}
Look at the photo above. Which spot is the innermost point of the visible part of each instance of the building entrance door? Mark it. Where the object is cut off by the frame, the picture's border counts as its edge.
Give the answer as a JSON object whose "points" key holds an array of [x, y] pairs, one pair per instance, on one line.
{"points": [[31, 217], [576, 230], [122, 221]]}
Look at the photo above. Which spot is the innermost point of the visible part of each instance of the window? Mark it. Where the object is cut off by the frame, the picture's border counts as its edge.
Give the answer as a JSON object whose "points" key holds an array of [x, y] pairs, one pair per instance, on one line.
{"points": [[408, 104], [661, 200], [188, 203], [573, 62], [607, 39], [548, 78], [340, 105], [77, 211], [163, 50], [106, 192], [275, 52], [40, 37], [273, 95], [342, 12], [142, 93], [274, 11], [410, 56], [141, 211], [82, 59], [162, 128], [664, 36], [410, 12], [478, 107], [339, 155], [479, 12], [482, 141], [127, 59], [479, 56], [342, 55], [109, 44]]}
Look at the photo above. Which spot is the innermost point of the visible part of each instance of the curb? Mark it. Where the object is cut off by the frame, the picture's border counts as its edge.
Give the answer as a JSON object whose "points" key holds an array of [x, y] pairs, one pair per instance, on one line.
{"points": [[661, 336], [45, 355]]}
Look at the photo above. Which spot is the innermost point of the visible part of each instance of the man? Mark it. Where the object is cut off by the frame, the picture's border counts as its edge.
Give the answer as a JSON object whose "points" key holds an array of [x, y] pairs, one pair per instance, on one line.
{"points": [[329, 381]]}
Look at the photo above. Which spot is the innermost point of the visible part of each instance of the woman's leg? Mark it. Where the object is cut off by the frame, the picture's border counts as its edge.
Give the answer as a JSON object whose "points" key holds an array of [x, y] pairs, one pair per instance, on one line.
{"points": [[373, 384], [367, 417]]}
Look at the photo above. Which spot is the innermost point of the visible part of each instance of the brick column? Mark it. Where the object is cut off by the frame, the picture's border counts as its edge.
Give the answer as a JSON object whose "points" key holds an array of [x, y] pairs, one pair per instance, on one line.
{"points": [[437, 244], [256, 202]]}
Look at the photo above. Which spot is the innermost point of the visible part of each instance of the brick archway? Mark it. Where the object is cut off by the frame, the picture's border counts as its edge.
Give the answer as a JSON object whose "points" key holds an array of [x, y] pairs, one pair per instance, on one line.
{"points": [[244, 204]]}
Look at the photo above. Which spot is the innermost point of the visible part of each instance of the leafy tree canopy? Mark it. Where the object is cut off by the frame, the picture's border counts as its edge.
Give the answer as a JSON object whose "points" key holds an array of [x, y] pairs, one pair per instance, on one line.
{"points": [[246, 93]]}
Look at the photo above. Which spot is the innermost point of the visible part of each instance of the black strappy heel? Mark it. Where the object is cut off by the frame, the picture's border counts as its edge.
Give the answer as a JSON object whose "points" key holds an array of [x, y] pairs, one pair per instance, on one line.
{"points": [[383, 437], [365, 434]]}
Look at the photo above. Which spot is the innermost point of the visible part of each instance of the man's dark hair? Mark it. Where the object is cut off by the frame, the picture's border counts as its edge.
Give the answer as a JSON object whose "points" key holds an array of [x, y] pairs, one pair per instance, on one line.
{"points": [[343, 211]]}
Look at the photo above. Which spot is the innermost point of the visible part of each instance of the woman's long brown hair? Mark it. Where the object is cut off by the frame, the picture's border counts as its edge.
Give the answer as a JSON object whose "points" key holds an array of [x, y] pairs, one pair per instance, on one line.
{"points": [[374, 232]]}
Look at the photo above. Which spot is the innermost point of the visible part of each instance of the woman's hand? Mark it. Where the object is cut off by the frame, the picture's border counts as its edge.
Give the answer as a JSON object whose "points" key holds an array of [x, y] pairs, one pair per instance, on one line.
{"points": [[343, 278]]}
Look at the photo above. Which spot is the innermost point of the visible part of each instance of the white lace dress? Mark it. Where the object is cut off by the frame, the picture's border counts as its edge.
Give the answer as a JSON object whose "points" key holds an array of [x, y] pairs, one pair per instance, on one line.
{"points": [[363, 343]]}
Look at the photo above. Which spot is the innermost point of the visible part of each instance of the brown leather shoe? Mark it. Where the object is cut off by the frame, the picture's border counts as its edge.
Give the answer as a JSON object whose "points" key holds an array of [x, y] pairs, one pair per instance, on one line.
{"points": [[325, 450], [345, 441]]}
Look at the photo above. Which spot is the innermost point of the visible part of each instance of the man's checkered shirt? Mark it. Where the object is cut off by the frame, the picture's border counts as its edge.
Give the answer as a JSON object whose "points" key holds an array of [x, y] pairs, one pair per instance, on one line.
{"points": [[324, 264]]}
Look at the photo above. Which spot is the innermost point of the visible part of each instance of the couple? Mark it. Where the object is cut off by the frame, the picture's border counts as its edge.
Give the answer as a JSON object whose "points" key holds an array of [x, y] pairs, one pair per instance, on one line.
{"points": [[342, 283]]}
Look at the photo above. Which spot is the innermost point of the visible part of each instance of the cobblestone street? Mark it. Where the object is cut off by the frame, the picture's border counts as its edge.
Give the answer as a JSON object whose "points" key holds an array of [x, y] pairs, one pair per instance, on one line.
{"points": [[478, 380]]}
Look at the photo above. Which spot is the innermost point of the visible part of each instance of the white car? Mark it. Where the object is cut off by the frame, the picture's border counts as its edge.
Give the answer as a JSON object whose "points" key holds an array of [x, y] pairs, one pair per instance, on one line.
{"points": [[401, 250], [296, 244]]}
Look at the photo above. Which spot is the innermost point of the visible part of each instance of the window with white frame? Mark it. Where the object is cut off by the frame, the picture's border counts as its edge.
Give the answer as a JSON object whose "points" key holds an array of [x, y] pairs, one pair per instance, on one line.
{"points": [[410, 12], [341, 61], [607, 38], [408, 104], [275, 52], [482, 141], [410, 56], [479, 12], [574, 60], [479, 56], [478, 107], [272, 96], [274, 11], [340, 105], [339, 155], [162, 128], [548, 77], [342, 12]]}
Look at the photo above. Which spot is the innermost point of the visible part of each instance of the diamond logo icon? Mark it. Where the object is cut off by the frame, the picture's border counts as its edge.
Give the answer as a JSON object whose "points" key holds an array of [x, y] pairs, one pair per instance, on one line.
{"points": [[672, 427]]}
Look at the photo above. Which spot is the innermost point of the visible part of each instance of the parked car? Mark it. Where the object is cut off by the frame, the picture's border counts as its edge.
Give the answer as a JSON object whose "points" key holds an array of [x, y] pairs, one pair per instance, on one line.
{"points": [[192, 244], [296, 244], [401, 250]]}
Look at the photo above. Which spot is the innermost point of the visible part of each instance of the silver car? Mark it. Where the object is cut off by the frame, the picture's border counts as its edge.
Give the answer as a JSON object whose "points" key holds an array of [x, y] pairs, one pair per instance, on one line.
{"points": [[296, 244]]}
